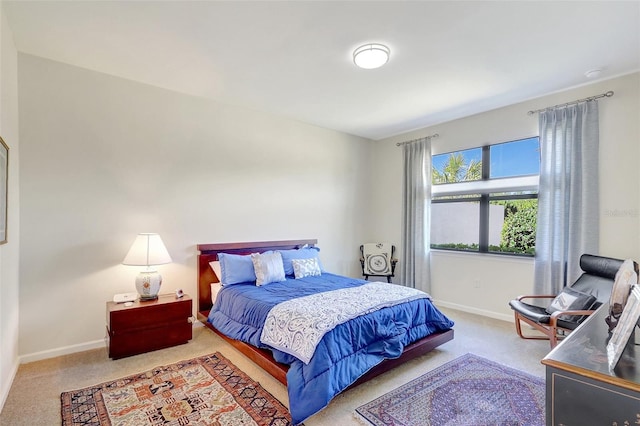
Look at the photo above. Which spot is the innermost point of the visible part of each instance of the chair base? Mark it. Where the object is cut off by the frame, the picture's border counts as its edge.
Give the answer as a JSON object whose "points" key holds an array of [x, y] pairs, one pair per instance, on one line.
{"points": [[549, 334], [366, 277]]}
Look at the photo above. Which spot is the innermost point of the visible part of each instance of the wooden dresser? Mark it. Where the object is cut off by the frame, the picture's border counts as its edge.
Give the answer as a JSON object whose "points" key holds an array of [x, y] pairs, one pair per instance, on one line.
{"points": [[147, 326], [581, 391]]}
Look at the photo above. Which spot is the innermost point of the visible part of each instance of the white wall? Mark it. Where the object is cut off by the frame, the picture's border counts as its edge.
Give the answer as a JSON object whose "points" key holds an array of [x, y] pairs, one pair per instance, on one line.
{"points": [[453, 223], [485, 283], [9, 252], [105, 158]]}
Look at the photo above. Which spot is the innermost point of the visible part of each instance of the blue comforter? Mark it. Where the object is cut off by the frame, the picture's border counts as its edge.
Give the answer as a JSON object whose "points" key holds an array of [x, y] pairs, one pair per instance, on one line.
{"points": [[344, 354]]}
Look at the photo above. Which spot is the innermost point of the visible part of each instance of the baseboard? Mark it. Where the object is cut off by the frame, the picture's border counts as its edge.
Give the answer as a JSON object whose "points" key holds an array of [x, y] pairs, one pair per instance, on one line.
{"points": [[472, 310], [6, 386], [66, 350]]}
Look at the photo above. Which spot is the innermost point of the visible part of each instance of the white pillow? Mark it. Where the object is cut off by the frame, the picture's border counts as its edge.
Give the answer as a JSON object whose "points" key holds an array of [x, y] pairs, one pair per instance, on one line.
{"points": [[215, 288], [215, 265], [305, 267], [268, 267]]}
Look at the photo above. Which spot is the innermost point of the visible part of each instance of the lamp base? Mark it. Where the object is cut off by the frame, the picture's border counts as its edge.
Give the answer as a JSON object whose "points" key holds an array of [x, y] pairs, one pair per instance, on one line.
{"points": [[148, 285], [148, 298]]}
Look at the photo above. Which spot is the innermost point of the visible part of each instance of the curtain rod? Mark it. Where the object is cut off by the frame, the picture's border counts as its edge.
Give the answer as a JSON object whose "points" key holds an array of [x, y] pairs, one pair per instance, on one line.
{"points": [[435, 135], [589, 99]]}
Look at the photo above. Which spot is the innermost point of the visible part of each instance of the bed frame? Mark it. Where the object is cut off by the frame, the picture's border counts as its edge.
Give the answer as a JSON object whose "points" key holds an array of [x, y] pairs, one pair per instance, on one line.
{"points": [[263, 357]]}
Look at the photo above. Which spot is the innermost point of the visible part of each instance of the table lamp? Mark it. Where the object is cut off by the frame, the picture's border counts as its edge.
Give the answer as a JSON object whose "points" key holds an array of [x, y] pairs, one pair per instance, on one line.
{"points": [[147, 250]]}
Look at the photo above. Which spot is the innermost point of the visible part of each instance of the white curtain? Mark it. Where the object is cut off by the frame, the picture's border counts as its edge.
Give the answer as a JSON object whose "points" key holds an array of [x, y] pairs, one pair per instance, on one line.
{"points": [[568, 203], [414, 263]]}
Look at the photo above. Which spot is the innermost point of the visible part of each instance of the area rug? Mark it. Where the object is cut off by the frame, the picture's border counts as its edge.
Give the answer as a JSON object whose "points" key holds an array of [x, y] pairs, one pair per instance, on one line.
{"points": [[209, 390], [469, 390]]}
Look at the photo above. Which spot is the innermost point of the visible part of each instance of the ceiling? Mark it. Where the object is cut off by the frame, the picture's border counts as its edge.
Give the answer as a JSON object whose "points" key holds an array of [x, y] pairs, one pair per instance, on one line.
{"points": [[449, 59]]}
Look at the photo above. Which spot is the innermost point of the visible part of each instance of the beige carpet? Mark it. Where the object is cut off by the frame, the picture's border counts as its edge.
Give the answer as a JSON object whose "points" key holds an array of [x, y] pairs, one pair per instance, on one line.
{"points": [[492, 339]]}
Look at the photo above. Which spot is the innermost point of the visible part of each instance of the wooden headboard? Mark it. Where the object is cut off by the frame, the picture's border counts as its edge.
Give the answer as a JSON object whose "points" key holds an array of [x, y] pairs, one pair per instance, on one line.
{"points": [[209, 252]]}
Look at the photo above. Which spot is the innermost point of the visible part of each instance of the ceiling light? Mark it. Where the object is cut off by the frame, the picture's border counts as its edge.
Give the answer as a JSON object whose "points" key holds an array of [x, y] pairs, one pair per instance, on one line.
{"points": [[371, 56]]}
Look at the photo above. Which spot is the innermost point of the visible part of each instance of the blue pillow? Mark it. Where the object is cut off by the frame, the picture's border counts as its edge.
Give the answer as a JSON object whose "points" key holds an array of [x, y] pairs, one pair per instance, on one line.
{"points": [[236, 269], [303, 253]]}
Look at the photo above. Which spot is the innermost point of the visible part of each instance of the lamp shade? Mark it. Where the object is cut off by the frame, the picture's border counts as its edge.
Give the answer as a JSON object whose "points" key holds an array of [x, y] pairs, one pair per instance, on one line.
{"points": [[146, 250]]}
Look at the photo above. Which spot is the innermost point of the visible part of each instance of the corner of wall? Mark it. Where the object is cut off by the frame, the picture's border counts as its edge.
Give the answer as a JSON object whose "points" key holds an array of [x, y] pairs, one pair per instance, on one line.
{"points": [[6, 384], [9, 252]]}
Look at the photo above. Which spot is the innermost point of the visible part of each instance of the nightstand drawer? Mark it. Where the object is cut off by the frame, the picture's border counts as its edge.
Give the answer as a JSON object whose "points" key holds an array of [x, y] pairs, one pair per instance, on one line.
{"points": [[149, 314], [150, 339]]}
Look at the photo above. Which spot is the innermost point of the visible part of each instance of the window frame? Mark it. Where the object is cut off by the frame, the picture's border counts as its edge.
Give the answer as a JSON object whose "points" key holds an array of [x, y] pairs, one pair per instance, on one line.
{"points": [[485, 191]]}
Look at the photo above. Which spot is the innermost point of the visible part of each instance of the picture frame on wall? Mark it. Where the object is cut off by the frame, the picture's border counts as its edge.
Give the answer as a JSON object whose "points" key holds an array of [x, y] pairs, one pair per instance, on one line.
{"points": [[4, 189], [623, 330]]}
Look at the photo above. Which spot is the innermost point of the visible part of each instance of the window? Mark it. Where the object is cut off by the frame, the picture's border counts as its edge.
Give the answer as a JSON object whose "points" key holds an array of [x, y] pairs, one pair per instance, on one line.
{"points": [[461, 166], [486, 199]]}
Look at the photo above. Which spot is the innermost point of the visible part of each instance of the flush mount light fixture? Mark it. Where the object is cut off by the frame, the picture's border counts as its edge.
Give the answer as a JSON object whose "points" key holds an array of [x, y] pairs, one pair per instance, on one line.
{"points": [[370, 56]]}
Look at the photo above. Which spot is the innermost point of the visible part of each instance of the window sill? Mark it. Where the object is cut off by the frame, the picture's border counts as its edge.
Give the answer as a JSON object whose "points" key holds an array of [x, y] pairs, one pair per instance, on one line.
{"points": [[492, 256]]}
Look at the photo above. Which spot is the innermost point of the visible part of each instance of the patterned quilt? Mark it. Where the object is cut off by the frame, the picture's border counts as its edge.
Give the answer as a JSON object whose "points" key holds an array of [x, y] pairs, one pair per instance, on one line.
{"points": [[297, 325]]}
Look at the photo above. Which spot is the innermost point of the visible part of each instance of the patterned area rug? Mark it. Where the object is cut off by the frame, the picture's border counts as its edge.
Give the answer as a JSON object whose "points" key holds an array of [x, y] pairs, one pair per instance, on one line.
{"points": [[469, 390], [203, 391]]}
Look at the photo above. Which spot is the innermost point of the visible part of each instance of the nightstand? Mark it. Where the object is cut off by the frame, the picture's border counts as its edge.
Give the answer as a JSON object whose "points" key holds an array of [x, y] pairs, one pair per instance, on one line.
{"points": [[147, 326]]}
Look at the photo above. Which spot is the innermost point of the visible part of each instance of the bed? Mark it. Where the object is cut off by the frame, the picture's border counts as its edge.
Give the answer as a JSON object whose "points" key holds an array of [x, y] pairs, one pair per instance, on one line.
{"points": [[306, 381]]}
